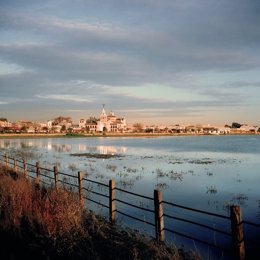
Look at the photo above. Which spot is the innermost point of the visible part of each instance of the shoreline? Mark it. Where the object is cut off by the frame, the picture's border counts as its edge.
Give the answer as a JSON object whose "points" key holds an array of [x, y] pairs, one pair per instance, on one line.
{"points": [[134, 135]]}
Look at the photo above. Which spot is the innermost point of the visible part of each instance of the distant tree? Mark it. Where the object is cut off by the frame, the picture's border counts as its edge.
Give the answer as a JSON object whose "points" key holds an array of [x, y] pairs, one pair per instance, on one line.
{"points": [[235, 125], [228, 126], [258, 130], [45, 128], [92, 120], [70, 130], [60, 119], [87, 129], [63, 129], [3, 119], [138, 127], [24, 128], [6, 130], [149, 130]]}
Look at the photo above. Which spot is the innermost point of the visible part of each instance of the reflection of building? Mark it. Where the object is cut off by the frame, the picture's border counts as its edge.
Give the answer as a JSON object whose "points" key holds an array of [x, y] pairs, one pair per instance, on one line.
{"points": [[111, 150], [58, 147], [109, 123], [82, 147]]}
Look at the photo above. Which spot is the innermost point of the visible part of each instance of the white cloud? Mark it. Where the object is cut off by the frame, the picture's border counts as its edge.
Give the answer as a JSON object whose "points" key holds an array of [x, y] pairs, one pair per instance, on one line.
{"points": [[65, 97]]}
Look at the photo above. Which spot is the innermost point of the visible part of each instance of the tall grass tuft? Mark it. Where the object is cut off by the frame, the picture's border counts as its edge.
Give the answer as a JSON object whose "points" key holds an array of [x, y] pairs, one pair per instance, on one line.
{"points": [[57, 213], [42, 223]]}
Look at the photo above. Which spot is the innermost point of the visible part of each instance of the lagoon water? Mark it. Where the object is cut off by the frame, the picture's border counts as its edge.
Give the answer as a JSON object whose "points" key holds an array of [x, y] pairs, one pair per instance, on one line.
{"points": [[204, 172]]}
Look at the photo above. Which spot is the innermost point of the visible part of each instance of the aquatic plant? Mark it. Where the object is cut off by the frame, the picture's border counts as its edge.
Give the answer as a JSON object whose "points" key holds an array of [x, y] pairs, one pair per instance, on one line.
{"points": [[209, 173], [72, 167], [111, 167], [160, 173], [212, 190], [176, 176], [162, 185]]}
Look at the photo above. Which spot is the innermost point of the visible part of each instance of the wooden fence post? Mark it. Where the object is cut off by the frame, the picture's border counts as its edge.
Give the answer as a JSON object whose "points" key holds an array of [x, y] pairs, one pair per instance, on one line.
{"points": [[237, 233], [56, 178], [112, 201], [81, 193], [15, 164], [158, 211], [24, 168], [6, 162], [37, 173]]}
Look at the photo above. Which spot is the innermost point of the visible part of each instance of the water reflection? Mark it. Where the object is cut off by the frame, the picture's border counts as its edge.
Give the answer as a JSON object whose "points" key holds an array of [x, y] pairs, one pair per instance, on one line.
{"points": [[102, 149], [61, 147]]}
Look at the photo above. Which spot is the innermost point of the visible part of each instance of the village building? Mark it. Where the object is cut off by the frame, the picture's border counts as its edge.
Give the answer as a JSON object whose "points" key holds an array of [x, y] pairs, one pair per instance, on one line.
{"points": [[105, 123], [5, 123], [82, 123], [248, 129]]}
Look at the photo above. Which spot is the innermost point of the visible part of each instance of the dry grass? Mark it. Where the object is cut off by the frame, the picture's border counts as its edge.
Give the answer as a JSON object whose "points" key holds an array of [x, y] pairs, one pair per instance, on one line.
{"points": [[46, 224], [57, 213]]}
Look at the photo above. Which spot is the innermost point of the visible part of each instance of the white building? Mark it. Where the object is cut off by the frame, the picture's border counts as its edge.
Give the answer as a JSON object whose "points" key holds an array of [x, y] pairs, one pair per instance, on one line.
{"points": [[5, 123], [109, 123], [49, 124], [82, 123], [248, 128]]}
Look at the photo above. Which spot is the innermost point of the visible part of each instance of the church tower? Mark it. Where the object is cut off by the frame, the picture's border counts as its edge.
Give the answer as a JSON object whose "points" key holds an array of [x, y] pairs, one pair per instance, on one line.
{"points": [[103, 115]]}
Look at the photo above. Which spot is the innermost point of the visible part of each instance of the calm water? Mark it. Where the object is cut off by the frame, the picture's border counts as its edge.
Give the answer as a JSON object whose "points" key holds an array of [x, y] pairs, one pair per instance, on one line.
{"points": [[208, 173]]}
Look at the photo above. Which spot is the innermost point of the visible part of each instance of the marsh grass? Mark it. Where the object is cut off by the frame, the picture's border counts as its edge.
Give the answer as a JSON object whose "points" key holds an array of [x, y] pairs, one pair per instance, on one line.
{"points": [[111, 167], [72, 167], [212, 190], [41, 223]]}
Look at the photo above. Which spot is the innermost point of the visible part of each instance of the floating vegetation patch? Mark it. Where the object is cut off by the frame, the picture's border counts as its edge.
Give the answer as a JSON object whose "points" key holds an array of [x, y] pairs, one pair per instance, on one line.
{"points": [[96, 155], [173, 175], [212, 190], [240, 199], [146, 157], [72, 167], [111, 167], [162, 185], [126, 183], [202, 161], [26, 153], [160, 173], [129, 169], [209, 173], [176, 176]]}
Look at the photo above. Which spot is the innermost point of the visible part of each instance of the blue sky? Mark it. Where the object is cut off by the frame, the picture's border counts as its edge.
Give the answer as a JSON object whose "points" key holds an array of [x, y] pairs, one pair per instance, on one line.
{"points": [[157, 62]]}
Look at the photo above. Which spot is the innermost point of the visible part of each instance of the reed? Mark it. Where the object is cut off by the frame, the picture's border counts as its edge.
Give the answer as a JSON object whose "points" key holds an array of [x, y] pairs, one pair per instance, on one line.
{"points": [[47, 223]]}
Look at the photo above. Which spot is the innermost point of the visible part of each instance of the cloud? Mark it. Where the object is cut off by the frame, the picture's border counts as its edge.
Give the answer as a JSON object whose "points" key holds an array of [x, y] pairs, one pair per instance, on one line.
{"points": [[245, 84], [125, 55], [66, 97]]}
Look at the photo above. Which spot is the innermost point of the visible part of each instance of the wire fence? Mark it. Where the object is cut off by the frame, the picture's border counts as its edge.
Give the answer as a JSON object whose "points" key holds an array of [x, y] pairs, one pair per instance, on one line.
{"points": [[162, 222]]}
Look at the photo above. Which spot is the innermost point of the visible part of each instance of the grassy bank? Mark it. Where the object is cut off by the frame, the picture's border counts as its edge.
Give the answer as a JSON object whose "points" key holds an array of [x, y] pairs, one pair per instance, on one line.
{"points": [[38, 222]]}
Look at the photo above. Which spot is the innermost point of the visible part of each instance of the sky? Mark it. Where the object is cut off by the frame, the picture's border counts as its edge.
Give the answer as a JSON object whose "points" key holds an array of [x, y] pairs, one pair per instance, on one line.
{"points": [[155, 62]]}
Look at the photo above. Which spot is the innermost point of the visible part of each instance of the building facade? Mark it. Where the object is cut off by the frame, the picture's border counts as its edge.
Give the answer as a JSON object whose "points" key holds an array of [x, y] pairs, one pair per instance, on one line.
{"points": [[105, 123]]}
